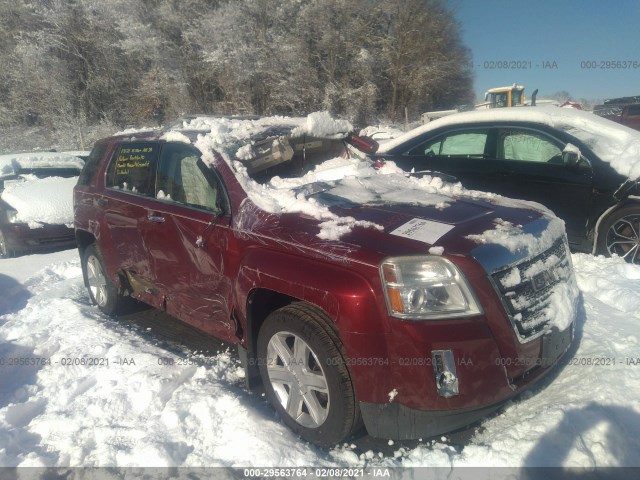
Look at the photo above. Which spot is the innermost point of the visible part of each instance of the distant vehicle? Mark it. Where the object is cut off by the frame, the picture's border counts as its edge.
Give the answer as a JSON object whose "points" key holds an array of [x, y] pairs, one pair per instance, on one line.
{"points": [[499, 97], [582, 167], [623, 110], [36, 201], [502, 97], [354, 295]]}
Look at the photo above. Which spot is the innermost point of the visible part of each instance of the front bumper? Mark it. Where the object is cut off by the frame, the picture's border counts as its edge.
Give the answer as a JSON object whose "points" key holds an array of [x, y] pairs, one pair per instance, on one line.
{"points": [[433, 415], [20, 238], [397, 422]]}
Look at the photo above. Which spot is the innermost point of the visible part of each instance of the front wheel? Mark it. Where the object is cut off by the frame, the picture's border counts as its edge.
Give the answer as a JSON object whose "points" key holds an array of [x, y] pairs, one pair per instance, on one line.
{"points": [[305, 376], [620, 234], [102, 291]]}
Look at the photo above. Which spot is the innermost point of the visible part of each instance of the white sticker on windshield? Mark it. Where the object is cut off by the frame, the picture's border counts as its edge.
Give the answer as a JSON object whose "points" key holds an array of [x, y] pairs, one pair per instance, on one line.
{"points": [[422, 230]]}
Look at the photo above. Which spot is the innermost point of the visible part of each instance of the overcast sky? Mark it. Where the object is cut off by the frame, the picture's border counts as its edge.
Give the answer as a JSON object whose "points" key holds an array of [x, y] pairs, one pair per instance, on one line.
{"points": [[585, 47]]}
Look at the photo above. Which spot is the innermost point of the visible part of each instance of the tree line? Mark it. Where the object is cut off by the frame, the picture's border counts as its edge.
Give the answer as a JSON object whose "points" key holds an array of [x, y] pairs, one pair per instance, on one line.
{"points": [[75, 63]]}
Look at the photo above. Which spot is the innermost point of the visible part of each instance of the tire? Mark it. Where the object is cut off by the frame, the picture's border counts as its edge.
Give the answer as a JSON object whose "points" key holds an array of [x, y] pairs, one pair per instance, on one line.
{"points": [[620, 234], [102, 291], [305, 376]]}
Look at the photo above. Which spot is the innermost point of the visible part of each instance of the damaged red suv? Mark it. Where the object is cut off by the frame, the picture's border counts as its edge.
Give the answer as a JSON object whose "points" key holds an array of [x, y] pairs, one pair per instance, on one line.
{"points": [[355, 296]]}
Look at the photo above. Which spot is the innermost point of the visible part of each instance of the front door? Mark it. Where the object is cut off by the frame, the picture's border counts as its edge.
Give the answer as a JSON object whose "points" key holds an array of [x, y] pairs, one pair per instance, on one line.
{"points": [[186, 235]]}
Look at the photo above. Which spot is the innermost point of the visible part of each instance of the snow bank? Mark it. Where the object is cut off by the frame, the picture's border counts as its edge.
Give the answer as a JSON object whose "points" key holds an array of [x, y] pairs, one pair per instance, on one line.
{"points": [[612, 281], [613, 143], [41, 200]]}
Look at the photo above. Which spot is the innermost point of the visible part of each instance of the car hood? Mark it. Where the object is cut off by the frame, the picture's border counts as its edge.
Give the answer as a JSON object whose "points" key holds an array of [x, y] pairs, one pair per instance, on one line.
{"points": [[366, 221], [40, 201]]}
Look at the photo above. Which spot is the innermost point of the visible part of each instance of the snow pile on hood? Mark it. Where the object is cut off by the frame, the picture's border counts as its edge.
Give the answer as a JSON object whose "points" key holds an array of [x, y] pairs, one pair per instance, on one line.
{"points": [[14, 162], [41, 200], [513, 237], [613, 143]]}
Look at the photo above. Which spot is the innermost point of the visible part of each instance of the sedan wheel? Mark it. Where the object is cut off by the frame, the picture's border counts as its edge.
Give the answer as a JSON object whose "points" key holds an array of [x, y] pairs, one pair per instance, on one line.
{"points": [[623, 237]]}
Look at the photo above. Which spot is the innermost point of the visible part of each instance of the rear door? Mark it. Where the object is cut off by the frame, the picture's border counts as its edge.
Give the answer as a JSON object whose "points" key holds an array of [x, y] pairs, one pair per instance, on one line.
{"points": [[463, 153], [130, 183]]}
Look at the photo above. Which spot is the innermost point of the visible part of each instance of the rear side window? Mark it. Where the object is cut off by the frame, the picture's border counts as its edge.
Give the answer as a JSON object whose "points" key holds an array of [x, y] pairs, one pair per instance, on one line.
{"points": [[92, 163], [457, 144], [132, 168]]}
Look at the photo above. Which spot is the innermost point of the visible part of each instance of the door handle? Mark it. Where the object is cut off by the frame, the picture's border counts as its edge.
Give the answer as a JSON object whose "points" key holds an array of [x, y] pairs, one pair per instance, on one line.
{"points": [[155, 218], [102, 201]]}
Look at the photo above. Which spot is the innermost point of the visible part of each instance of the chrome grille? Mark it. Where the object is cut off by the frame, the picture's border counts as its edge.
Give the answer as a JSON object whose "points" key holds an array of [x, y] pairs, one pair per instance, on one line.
{"points": [[526, 288]]}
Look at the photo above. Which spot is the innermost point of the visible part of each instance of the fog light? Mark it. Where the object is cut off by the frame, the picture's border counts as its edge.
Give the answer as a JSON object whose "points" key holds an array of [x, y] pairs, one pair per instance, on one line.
{"points": [[444, 369]]}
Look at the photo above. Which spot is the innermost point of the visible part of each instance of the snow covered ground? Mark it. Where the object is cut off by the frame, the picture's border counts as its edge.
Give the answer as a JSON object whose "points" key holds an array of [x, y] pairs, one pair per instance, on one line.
{"points": [[80, 389]]}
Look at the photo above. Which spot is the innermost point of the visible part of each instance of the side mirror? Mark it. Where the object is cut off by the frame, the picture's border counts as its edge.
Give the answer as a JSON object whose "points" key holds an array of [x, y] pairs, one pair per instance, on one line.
{"points": [[570, 159], [571, 155]]}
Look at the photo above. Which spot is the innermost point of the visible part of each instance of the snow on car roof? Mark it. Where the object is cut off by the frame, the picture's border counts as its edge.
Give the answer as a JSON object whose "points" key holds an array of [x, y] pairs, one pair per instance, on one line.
{"points": [[613, 143], [226, 130], [14, 162]]}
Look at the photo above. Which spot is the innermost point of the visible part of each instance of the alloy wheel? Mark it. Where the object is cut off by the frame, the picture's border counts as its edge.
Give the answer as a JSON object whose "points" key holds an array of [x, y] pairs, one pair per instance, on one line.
{"points": [[623, 238], [97, 281], [298, 379]]}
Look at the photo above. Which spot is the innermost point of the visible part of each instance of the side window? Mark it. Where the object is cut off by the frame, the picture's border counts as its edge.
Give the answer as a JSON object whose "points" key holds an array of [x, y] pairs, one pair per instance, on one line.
{"points": [[458, 144], [183, 178], [132, 168], [527, 146], [91, 165]]}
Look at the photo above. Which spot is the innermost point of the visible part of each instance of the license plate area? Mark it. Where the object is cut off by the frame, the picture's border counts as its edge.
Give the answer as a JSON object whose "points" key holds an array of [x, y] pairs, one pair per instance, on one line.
{"points": [[554, 344]]}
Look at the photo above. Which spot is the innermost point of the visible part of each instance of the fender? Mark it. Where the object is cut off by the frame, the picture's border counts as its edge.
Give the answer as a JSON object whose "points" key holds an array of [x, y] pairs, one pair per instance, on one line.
{"points": [[626, 201], [345, 295]]}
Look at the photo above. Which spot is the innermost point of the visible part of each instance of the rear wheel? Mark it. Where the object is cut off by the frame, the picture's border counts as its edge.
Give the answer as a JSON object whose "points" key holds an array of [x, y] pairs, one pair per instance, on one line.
{"points": [[304, 373], [620, 234], [102, 291]]}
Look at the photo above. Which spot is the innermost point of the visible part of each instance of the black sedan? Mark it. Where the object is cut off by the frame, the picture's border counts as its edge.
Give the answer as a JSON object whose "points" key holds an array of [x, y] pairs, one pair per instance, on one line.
{"points": [[581, 166]]}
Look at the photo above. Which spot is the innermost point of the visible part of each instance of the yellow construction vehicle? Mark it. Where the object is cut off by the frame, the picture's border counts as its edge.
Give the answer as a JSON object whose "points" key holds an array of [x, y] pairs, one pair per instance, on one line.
{"points": [[499, 97]]}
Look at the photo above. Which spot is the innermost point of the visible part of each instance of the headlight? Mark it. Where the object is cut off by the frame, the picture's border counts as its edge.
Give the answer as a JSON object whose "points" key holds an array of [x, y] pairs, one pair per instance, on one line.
{"points": [[12, 216], [426, 287]]}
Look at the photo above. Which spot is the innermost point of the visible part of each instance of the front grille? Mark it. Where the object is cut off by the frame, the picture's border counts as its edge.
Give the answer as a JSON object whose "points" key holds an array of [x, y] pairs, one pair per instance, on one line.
{"points": [[526, 289]]}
